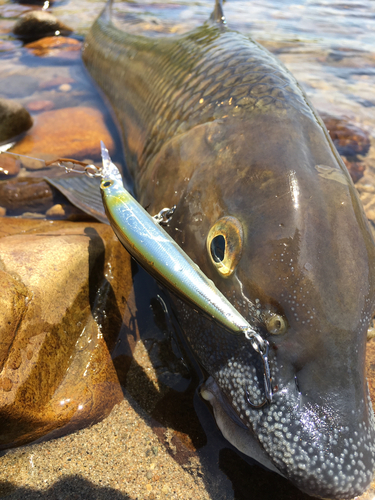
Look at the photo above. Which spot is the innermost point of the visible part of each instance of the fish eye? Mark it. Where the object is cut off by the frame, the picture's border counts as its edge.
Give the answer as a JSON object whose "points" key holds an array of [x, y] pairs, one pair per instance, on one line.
{"points": [[106, 184], [275, 324], [218, 248], [224, 245]]}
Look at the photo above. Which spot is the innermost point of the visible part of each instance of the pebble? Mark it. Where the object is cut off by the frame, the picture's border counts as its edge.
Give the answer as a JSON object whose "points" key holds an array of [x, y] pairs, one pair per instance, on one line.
{"points": [[63, 48], [59, 133], [14, 119], [56, 210], [65, 87], [38, 24]]}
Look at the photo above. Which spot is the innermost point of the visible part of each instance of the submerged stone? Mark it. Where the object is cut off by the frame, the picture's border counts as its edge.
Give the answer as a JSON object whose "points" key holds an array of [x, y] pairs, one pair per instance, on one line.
{"points": [[69, 132]]}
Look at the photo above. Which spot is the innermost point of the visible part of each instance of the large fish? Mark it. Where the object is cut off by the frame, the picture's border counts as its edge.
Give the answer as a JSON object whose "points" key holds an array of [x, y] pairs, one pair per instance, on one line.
{"points": [[214, 124]]}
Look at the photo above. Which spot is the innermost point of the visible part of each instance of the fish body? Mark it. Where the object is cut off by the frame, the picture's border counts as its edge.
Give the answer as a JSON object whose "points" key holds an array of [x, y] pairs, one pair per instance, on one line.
{"points": [[214, 124]]}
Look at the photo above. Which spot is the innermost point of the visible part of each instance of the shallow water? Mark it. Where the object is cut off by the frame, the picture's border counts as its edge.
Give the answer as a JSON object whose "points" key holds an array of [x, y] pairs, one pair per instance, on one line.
{"points": [[329, 46]]}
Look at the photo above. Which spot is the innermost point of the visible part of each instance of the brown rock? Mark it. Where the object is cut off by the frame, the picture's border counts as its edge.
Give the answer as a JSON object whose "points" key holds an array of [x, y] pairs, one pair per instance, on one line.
{"points": [[356, 169], [26, 194], [349, 139], [38, 24], [60, 47], [9, 166], [57, 369], [40, 105], [14, 119], [70, 133]]}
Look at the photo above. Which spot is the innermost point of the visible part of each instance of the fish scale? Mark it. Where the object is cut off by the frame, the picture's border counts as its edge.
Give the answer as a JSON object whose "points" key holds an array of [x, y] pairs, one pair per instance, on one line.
{"points": [[179, 82]]}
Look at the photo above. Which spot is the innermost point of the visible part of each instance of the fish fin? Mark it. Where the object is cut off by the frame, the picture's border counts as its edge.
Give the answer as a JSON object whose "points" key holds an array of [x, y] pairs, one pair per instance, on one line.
{"points": [[107, 11], [217, 15], [82, 192]]}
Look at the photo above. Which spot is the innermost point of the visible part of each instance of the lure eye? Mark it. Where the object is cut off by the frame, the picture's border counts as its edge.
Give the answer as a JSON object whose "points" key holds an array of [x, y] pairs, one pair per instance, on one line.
{"points": [[224, 245], [276, 324], [106, 184]]}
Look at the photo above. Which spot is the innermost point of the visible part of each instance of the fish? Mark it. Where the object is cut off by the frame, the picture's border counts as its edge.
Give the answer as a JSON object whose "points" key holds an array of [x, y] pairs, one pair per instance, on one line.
{"points": [[213, 123]]}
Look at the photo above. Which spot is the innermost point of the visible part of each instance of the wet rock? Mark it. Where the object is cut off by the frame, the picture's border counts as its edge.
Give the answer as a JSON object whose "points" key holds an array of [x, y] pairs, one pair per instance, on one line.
{"points": [[26, 194], [41, 105], [59, 47], [38, 24], [9, 166], [356, 169], [70, 133], [18, 85], [349, 139], [14, 119], [63, 291], [56, 210]]}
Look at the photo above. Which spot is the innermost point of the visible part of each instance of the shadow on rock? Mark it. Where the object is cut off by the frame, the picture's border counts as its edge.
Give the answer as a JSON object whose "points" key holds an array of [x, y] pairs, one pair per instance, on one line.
{"points": [[69, 488]]}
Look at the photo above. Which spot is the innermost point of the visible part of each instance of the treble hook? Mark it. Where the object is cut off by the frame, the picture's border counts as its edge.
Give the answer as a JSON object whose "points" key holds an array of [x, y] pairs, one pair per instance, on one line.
{"points": [[261, 346]]}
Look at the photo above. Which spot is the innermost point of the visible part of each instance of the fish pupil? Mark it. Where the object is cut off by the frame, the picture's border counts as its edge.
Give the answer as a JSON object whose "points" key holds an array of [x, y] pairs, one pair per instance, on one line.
{"points": [[218, 248]]}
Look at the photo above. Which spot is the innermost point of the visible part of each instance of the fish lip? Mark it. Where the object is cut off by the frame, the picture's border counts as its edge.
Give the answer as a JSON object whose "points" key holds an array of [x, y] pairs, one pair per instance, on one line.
{"points": [[232, 428]]}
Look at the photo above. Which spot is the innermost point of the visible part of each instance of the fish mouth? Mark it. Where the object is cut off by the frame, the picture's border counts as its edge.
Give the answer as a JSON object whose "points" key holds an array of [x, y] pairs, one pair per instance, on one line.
{"points": [[309, 445], [232, 428]]}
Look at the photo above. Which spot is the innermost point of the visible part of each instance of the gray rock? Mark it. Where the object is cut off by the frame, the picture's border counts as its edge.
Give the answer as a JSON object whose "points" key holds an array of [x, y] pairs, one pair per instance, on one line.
{"points": [[14, 119], [38, 24]]}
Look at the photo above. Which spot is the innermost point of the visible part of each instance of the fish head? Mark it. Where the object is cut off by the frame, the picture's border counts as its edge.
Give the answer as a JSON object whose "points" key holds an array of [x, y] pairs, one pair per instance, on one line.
{"points": [[272, 217]]}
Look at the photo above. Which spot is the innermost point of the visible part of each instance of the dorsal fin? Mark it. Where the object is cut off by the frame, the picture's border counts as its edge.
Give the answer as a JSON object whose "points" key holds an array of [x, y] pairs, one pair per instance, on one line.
{"points": [[217, 15]]}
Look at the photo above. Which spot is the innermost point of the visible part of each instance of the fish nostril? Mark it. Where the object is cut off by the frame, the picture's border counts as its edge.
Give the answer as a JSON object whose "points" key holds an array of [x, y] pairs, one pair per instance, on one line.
{"points": [[297, 384]]}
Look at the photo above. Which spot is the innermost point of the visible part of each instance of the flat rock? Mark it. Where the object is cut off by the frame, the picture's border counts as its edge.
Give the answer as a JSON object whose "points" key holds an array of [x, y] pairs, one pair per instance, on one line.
{"points": [[14, 119], [26, 194], [59, 47], [39, 24], [63, 290], [70, 133], [17, 86]]}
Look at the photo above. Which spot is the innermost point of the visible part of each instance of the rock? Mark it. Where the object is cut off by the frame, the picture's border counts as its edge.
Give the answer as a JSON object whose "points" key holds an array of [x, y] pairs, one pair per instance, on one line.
{"points": [[349, 139], [9, 166], [18, 85], [356, 169], [14, 119], [56, 210], [70, 133], [63, 291], [26, 194], [59, 47], [38, 24], [37, 106]]}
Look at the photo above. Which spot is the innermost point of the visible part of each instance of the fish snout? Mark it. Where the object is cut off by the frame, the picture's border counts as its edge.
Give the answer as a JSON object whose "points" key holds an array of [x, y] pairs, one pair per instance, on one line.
{"points": [[325, 448]]}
